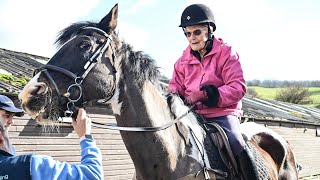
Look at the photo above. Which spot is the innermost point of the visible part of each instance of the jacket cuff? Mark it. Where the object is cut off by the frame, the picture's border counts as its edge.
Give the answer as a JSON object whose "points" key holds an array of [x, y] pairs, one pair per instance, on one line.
{"points": [[86, 142], [213, 95]]}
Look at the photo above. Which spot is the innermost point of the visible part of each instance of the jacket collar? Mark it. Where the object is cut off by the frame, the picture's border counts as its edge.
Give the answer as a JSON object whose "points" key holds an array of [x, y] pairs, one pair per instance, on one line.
{"points": [[4, 153], [188, 55], [208, 49]]}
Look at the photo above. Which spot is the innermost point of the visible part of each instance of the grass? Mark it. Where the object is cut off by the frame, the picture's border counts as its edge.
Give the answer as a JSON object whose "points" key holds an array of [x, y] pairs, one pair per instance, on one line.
{"points": [[315, 95], [270, 93], [315, 177], [265, 93]]}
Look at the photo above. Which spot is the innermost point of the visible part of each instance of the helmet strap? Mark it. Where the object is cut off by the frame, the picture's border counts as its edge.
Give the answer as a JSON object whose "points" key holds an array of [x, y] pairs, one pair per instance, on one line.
{"points": [[209, 37], [183, 29], [209, 32], [206, 45]]}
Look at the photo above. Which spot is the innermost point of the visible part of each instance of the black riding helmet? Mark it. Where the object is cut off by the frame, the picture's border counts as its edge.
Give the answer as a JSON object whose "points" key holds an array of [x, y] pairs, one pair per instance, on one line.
{"points": [[197, 14]]}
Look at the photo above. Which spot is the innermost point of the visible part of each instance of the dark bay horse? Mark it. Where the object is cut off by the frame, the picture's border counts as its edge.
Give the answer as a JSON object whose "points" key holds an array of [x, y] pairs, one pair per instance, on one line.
{"points": [[92, 64]]}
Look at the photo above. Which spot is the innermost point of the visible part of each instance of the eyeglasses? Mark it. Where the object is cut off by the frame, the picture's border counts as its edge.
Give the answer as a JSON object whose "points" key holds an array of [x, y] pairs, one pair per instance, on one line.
{"points": [[195, 32]]}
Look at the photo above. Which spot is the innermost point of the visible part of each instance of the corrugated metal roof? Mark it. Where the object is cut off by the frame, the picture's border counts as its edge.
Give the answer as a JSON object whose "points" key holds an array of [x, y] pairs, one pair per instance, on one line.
{"points": [[22, 65], [279, 111], [18, 65]]}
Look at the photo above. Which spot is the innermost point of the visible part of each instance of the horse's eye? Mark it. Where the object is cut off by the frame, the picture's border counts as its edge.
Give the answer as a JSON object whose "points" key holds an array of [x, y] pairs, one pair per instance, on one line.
{"points": [[85, 45]]}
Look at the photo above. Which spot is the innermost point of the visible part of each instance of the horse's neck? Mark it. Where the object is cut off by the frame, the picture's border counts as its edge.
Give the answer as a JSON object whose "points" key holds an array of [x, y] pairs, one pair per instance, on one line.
{"points": [[156, 106], [148, 109], [142, 107], [164, 153]]}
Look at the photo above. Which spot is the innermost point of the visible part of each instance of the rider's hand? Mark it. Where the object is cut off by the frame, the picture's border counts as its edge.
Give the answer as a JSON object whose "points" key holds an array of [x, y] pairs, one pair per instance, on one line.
{"points": [[213, 95], [195, 97], [82, 125]]}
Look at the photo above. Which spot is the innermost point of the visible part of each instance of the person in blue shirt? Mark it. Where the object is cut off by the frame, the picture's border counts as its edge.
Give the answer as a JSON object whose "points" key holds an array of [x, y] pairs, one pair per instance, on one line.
{"points": [[7, 111], [32, 166]]}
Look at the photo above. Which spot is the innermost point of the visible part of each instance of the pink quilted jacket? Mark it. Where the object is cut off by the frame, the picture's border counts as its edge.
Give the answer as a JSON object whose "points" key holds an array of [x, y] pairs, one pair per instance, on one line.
{"points": [[220, 67]]}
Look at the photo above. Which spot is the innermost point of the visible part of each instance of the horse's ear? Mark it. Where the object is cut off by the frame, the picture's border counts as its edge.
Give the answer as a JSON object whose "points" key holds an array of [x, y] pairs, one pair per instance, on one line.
{"points": [[109, 22]]}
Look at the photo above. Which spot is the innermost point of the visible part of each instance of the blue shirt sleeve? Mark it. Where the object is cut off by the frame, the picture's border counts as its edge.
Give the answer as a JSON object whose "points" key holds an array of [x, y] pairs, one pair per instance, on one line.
{"points": [[44, 167]]}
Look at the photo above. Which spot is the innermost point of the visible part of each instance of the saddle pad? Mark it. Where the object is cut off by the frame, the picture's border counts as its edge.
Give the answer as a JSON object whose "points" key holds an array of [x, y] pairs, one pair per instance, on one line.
{"points": [[261, 166]]}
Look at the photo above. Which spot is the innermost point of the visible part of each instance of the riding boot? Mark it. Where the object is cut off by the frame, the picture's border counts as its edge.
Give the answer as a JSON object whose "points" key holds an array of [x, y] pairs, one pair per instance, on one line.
{"points": [[247, 165]]}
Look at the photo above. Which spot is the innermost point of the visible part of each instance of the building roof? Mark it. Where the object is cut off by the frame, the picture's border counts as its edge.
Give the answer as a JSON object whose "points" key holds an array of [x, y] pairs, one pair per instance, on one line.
{"points": [[261, 109], [16, 69], [21, 65]]}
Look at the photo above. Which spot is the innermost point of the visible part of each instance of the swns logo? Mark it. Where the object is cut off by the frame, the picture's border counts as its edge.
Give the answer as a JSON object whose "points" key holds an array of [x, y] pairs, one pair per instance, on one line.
{"points": [[4, 177]]}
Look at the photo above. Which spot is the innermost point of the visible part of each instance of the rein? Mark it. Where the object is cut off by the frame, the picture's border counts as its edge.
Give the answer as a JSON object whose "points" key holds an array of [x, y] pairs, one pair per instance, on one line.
{"points": [[141, 129]]}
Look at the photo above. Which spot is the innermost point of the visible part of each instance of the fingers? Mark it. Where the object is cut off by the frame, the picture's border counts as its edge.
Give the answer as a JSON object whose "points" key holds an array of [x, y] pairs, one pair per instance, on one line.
{"points": [[190, 100], [83, 116], [82, 125], [81, 113], [74, 122]]}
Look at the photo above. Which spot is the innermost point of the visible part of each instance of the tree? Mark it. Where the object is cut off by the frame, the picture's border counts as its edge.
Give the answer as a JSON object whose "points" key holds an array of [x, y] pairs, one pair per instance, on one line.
{"points": [[252, 92], [294, 94]]}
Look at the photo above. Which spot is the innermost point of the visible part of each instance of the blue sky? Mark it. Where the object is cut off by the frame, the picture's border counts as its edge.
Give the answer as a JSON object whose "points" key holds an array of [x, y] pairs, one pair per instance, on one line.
{"points": [[275, 39]]}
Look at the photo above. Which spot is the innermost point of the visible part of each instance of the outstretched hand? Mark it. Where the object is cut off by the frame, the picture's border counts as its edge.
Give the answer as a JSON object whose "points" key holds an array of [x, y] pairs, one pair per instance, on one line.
{"points": [[82, 125]]}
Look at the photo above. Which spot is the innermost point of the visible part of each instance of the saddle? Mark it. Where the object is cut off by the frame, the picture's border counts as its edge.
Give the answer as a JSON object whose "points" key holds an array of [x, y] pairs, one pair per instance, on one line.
{"points": [[222, 155], [220, 139]]}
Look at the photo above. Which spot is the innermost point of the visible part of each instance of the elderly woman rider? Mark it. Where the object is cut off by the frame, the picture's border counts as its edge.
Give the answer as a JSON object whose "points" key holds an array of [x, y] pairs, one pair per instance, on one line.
{"points": [[209, 75]]}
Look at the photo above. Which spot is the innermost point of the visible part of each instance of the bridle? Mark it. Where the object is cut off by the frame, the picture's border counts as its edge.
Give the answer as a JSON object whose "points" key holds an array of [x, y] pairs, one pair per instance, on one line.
{"points": [[78, 79]]}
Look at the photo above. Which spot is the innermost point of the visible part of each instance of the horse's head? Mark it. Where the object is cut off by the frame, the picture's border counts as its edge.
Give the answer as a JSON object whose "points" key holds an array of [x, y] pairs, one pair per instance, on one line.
{"points": [[84, 63]]}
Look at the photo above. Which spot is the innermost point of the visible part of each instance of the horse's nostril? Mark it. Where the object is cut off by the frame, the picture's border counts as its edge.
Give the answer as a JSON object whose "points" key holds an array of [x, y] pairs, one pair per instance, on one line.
{"points": [[43, 89], [34, 90], [38, 89]]}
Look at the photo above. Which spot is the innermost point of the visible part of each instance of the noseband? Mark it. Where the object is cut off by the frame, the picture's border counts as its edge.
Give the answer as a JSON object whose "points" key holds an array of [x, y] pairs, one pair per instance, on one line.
{"points": [[78, 79]]}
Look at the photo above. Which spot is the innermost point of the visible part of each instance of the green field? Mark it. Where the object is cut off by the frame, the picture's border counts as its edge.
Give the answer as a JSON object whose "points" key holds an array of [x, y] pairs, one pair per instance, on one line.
{"points": [[270, 93]]}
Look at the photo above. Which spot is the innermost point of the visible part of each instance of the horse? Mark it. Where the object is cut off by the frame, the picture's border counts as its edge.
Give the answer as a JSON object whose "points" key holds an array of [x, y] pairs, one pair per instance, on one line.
{"points": [[166, 140]]}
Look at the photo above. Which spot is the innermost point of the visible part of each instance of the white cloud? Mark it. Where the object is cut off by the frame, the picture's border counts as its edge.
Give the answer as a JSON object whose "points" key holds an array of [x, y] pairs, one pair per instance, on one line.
{"points": [[31, 26], [133, 35], [135, 6], [270, 44], [288, 52], [234, 14]]}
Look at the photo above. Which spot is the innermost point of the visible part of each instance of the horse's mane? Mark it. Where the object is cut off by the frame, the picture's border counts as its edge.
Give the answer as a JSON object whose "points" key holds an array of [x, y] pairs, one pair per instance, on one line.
{"points": [[140, 65], [68, 32]]}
